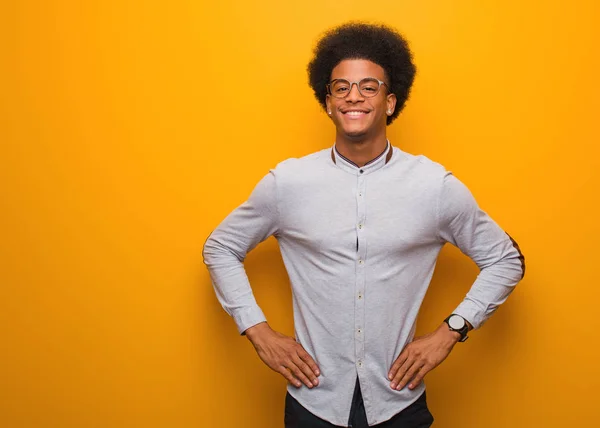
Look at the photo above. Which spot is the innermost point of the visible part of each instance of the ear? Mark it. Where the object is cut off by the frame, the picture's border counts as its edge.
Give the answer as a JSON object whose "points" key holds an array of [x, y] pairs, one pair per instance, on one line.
{"points": [[328, 105], [391, 103]]}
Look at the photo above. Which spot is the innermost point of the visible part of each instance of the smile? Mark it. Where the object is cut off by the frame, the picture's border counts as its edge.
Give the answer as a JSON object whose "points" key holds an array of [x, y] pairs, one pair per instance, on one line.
{"points": [[355, 113]]}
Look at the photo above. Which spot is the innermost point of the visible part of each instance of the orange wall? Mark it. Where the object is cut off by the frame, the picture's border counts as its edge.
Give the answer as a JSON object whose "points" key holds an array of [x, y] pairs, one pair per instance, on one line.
{"points": [[129, 129]]}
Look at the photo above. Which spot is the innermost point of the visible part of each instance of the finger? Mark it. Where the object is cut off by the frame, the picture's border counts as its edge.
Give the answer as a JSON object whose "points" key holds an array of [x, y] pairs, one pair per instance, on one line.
{"points": [[309, 360], [406, 365], [397, 364], [298, 374], [419, 377], [306, 370], [286, 373], [410, 374]]}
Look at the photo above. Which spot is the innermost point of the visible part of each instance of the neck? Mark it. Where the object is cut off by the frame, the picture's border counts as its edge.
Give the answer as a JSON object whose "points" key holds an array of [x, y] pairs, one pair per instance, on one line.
{"points": [[360, 151]]}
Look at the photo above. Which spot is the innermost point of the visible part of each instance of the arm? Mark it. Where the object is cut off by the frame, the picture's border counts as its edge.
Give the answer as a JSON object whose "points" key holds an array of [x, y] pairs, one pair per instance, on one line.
{"points": [[224, 253], [226, 248], [501, 264]]}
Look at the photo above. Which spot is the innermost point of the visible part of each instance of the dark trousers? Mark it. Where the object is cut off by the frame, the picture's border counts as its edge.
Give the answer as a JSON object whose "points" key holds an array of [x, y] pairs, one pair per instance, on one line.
{"points": [[416, 415]]}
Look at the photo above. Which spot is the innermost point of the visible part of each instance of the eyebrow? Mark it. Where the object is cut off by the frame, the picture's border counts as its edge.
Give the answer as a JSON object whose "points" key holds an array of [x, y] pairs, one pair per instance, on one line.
{"points": [[366, 77]]}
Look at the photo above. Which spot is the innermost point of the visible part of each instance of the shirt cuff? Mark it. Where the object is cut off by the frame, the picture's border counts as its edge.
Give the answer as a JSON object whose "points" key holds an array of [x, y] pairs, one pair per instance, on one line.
{"points": [[471, 312], [248, 317]]}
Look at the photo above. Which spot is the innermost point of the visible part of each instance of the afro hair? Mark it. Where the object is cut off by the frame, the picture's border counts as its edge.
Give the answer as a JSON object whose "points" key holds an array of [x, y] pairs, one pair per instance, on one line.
{"points": [[357, 40]]}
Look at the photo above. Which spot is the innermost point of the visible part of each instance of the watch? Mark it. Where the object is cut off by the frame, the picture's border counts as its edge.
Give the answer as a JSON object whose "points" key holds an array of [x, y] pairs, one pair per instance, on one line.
{"points": [[458, 324]]}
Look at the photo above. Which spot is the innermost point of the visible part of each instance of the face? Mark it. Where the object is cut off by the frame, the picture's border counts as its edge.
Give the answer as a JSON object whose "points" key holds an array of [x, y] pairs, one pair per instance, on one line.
{"points": [[356, 116]]}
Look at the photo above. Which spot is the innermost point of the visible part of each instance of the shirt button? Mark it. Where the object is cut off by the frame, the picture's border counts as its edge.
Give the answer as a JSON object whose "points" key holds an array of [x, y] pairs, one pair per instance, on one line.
{"points": [[360, 226], [360, 262], [361, 171], [359, 331], [360, 363], [359, 296], [360, 194]]}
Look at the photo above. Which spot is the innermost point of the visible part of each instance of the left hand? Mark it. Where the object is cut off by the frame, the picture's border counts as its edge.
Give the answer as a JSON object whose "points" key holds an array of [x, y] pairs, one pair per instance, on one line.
{"points": [[421, 356]]}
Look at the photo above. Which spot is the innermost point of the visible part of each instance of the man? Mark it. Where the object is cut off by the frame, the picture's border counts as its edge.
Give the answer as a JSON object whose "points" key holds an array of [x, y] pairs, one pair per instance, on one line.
{"points": [[360, 226]]}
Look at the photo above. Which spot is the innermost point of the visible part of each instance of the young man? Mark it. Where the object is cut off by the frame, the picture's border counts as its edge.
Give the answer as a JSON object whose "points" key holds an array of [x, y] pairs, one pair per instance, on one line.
{"points": [[360, 226]]}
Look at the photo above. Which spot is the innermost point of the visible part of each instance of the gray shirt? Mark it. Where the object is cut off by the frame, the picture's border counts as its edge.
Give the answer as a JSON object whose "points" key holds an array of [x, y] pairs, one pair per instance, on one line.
{"points": [[360, 245]]}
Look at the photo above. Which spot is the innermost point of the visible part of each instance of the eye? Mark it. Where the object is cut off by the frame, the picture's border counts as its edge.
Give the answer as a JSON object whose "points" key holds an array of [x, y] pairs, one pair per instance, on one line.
{"points": [[369, 86], [340, 87]]}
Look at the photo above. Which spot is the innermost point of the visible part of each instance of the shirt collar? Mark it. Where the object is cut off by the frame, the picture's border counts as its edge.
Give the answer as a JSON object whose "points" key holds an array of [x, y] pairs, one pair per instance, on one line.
{"points": [[371, 166]]}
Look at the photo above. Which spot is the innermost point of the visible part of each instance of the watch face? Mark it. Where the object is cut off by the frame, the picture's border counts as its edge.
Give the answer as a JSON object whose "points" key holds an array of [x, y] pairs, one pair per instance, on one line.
{"points": [[456, 322]]}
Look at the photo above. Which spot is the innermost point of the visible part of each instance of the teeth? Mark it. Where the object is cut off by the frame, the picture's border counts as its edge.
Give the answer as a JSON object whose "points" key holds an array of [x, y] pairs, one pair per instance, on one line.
{"points": [[355, 113]]}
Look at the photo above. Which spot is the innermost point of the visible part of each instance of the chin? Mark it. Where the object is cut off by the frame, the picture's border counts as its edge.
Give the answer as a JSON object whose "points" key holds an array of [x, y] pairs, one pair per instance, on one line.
{"points": [[355, 133]]}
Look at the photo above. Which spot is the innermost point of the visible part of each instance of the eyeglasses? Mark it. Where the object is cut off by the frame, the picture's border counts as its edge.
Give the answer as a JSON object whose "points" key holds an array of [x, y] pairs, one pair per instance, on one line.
{"points": [[368, 87]]}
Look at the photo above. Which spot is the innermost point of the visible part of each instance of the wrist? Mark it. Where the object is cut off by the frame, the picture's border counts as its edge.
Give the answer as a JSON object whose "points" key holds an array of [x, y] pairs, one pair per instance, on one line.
{"points": [[450, 337], [257, 331]]}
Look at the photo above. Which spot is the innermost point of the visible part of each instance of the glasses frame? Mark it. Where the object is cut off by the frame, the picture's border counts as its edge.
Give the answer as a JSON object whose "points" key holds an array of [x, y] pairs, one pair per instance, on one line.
{"points": [[381, 82]]}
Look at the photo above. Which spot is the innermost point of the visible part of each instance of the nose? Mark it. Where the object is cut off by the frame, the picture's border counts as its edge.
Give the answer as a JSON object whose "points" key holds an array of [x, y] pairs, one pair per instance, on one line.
{"points": [[354, 94]]}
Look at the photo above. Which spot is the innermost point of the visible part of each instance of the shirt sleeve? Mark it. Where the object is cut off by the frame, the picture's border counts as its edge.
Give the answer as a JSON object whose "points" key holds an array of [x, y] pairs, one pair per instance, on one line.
{"points": [[226, 248], [498, 256]]}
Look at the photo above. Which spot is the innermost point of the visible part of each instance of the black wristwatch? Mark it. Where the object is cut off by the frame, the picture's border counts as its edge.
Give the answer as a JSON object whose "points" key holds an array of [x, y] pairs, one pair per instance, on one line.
{"points": [[458, 324]]}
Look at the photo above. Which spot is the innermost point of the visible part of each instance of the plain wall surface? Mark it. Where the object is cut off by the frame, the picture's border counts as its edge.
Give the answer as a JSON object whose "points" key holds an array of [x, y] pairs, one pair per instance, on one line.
{"points": [[130, 129]]}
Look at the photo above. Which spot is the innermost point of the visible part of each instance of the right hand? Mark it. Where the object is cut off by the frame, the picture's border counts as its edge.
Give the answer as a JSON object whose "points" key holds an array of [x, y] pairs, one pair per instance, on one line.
{"points": [[284, 355]]}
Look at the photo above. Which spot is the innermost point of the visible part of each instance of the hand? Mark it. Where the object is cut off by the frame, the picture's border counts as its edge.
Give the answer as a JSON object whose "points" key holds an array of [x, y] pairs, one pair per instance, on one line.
{"points": [[421, 356], [284, 355]]}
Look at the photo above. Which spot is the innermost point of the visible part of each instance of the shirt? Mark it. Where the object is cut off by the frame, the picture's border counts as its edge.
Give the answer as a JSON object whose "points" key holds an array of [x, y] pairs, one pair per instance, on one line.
{"points": [[360, 245]]}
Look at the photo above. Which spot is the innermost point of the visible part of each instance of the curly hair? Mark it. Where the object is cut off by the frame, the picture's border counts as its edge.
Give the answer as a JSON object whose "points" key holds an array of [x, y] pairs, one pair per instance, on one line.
{"points": [[358, 40]]}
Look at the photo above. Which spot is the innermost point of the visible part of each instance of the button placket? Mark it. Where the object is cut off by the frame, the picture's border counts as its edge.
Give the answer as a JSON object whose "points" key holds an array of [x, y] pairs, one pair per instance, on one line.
{"points": [[361, 253]]}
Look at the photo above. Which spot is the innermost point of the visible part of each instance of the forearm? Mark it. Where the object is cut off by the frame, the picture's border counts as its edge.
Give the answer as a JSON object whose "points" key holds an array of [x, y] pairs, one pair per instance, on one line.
{"points": [[493, 285], [231, 285]]}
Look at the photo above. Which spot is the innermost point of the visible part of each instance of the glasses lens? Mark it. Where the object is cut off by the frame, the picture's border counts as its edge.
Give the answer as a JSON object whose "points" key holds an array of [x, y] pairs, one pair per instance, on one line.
{"points": [[369, 87], [340, 88]]}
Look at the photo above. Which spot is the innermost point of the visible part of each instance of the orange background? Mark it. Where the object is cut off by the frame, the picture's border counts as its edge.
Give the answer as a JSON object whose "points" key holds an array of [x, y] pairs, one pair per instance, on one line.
{"points": [[129, 129]]}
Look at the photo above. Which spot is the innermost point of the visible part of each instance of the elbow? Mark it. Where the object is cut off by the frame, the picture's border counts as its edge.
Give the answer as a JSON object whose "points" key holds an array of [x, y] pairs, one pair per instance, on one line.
{"points": [[509, 269], [519, 256], [208, 251], [216, 250], [212, 251], [522, 260], [513, 267]]}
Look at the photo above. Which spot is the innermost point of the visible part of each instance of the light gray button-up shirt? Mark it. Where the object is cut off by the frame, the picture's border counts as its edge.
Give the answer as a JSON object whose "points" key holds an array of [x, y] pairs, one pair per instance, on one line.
{"points": [[360, 245]]}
